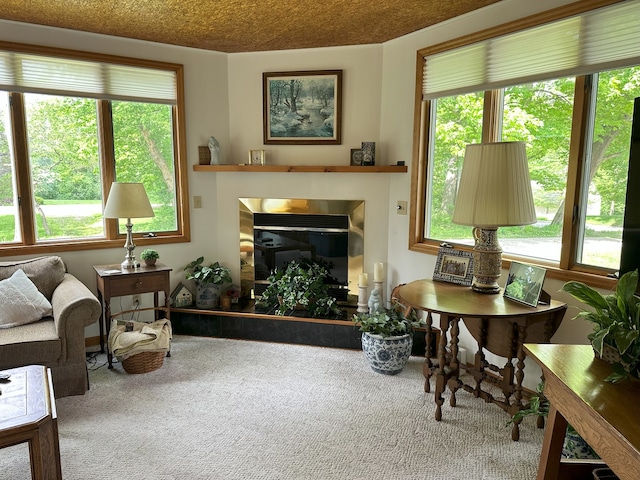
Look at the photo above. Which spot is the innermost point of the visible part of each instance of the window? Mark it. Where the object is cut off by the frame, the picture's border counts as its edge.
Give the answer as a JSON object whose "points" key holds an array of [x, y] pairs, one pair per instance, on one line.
{"points": [[571, 107], [70, 125]]}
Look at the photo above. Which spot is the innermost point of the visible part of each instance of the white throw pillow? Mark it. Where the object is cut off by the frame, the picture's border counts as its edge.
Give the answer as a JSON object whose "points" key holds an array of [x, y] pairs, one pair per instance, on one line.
{"points": [[21, 302]]}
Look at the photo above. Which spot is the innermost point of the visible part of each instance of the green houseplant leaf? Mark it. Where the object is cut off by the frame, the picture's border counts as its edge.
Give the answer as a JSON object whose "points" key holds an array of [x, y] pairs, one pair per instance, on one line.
{"points": [[616, 322]]}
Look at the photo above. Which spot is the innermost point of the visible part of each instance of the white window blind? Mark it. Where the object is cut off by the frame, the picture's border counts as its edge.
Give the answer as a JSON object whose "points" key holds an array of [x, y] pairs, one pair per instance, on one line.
{"points": [[23, 72], [601, 39]]}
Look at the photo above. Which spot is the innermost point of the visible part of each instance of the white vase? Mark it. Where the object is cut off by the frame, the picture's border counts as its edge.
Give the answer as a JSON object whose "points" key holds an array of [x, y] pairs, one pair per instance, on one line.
{"points": [[387, 355], [207, 295]]}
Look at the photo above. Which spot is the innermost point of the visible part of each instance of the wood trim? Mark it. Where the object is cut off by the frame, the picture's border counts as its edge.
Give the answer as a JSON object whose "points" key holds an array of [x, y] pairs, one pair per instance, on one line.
{"points": [[90, 56], [180, 151], [491, 116], [300, 168], [28, 244], [575, 173], [567, 269], [107, 161], [527, 22], [23, 171]]}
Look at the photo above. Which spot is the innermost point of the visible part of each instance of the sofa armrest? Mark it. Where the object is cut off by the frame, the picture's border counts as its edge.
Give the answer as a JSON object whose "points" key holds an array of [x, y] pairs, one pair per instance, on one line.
{"points": [[74, 308]]}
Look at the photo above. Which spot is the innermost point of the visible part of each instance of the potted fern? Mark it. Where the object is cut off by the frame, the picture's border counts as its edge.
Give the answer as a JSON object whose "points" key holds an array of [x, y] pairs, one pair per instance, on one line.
{"points": [[208, 280], [616, 324], [387, 337]]}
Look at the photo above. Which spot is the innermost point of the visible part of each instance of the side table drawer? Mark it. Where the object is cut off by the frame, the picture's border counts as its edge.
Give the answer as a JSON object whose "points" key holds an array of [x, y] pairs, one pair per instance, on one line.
{"points": [[131, 285]]}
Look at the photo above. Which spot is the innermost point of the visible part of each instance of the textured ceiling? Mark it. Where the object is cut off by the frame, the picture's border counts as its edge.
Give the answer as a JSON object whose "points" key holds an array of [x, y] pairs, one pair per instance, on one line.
{"points": [[243, 26]]}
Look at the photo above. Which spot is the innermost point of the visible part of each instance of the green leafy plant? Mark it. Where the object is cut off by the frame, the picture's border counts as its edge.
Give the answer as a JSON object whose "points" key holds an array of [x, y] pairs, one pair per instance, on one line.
{"points": [[300, 284], [387, 322], [205, 274], [149, 254], [538, 407], [616, 322]]}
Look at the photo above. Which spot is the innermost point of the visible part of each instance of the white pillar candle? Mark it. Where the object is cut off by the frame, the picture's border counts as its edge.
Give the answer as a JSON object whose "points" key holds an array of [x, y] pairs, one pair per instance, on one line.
{"points": [[378, 272], [363, 280]]}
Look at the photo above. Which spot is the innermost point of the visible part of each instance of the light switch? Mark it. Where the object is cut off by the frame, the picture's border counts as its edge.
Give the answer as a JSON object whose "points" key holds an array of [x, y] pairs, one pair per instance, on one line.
{"points": [[401, 208], [197, 201]]}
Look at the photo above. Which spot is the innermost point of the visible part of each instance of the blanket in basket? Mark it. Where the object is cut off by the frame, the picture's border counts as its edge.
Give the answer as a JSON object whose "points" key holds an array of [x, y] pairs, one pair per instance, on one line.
{"points": [[145, 337]]}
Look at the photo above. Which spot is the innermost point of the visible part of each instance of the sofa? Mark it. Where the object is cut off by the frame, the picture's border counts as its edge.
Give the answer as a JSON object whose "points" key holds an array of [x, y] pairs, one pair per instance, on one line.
{"points": [[43, 313]]}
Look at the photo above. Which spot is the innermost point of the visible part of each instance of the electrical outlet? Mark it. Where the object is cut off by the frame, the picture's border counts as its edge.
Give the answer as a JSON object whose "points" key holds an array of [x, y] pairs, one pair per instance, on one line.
{"points": [[401, 208], [135, 300]]}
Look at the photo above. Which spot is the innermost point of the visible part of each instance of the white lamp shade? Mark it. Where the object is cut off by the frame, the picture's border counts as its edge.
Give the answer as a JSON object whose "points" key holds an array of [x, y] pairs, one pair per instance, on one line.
{"points": [[495, 188], [128, 200]]}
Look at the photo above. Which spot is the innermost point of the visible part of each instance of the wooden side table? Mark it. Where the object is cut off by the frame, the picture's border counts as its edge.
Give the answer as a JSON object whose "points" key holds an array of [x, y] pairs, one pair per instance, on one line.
{"points": [[604, 414], [112, 281], [499, 325], [28, 410]]}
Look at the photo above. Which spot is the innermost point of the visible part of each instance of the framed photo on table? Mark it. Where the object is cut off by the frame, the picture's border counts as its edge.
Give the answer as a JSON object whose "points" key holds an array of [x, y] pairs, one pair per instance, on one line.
{"points": [[454, 266], [524, 283], [302, 108]]}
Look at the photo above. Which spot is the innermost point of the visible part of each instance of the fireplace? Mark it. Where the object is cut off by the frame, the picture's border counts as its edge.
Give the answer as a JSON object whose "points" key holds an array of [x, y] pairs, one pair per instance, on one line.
{"points": [[274, 231]]}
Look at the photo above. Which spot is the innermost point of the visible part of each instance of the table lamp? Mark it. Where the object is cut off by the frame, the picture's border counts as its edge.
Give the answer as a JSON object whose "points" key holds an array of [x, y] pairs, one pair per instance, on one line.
{"points": [[128, 200], [494, 191]]}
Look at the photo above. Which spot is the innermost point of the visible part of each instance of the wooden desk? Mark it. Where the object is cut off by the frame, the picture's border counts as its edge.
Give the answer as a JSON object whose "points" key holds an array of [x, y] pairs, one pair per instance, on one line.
{"points": [[499, 325], [604, 414], [112, 281], [28, 414]]}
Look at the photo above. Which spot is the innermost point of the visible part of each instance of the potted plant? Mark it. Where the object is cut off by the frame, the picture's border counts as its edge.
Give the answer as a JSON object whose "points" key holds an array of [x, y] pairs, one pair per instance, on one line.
{"points": [[149, 255], [300, 285], [616, 324], [574, 445], [208, 279], [387, 337]]}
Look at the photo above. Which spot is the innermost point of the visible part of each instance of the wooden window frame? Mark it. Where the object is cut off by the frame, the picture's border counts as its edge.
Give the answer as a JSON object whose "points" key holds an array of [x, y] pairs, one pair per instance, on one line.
{"points": [[566, 269], [112, 238]]}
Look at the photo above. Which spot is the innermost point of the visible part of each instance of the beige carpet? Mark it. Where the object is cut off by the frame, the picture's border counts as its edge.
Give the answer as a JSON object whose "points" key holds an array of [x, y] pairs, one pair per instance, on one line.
{"points": [[230, 409]]}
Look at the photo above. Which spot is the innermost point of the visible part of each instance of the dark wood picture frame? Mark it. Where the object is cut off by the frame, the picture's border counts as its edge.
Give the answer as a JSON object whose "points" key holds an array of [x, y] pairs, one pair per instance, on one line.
{"points": [[302, 108], [454, 266]]}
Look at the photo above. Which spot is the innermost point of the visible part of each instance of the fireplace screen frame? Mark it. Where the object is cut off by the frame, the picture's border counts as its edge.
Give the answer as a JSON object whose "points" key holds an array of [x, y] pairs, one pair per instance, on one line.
{"points": [[354, 209]]}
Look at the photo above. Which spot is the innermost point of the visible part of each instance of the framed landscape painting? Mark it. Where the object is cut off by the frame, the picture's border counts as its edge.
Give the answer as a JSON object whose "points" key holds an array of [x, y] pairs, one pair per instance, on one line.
{"points": [[302, 108]]}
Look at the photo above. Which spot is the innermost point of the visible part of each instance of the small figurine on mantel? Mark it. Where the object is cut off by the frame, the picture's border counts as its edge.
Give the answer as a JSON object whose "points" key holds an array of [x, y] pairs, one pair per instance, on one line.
{"points": [[375, 302], [214, 148]]}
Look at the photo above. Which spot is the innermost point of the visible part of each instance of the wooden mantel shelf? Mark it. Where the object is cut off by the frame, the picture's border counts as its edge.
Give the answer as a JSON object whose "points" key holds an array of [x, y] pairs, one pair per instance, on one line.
{"points": [[301, 168]]}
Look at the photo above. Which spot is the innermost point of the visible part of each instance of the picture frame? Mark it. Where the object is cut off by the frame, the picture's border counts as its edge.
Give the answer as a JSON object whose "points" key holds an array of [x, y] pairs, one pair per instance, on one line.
{"points": [[302, 108], [356, 157], [524, 283], [257, 157], [454, 266]]}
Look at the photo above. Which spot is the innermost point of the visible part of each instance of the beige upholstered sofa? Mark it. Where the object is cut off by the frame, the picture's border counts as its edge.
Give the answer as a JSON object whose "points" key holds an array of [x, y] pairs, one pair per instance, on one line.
{"points": [[55, 340]]}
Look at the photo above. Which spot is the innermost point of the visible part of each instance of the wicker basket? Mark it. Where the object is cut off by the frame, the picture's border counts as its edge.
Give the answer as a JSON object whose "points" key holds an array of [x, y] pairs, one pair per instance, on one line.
{"points": [[143, 362]]}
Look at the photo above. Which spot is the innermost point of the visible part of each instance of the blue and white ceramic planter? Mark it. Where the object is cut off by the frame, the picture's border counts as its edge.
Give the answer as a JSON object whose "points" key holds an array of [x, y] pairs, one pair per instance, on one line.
{"points": [[207, 296], [387, 355]]}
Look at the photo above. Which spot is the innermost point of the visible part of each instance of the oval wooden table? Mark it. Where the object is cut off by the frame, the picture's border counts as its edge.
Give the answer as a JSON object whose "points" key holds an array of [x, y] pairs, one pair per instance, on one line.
{"points": [[499, 325]]}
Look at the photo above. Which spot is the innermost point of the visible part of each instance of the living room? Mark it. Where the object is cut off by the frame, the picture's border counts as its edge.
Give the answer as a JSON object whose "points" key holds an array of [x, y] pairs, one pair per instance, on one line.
{"points": [[223, 95], [223, 98]]}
